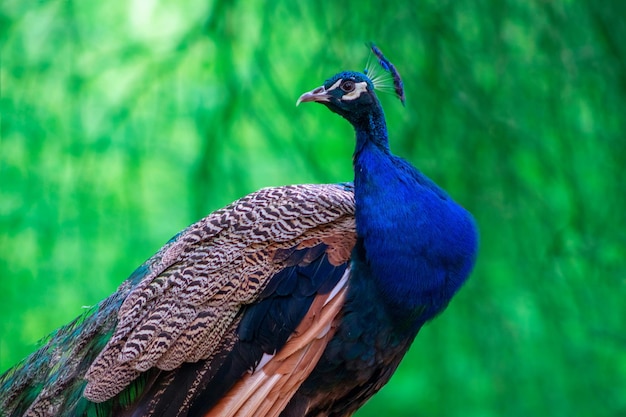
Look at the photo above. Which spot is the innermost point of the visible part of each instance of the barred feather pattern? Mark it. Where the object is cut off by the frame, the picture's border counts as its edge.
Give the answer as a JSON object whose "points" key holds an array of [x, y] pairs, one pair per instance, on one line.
{"points": [[180, 311], [181, 304]]}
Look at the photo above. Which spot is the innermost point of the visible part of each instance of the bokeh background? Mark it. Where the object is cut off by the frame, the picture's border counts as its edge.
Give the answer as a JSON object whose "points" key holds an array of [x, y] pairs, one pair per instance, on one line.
{"points": [[124, 121]]}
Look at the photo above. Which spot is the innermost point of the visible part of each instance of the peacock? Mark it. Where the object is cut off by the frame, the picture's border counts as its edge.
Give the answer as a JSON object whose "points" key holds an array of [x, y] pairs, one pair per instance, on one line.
{"points": [[298, 300]]}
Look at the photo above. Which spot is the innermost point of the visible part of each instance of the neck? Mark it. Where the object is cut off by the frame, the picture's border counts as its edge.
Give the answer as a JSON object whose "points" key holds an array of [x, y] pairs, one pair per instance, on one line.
{"points": [[371, 129]]}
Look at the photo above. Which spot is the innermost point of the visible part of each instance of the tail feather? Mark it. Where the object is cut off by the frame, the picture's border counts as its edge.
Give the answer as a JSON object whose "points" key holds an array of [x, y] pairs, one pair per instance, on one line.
{"points": [[50, 381]]}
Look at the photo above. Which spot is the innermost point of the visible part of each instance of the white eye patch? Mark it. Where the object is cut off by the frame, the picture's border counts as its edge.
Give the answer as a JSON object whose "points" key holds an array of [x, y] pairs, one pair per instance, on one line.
{"points": [[332, 87], [359, 88]]}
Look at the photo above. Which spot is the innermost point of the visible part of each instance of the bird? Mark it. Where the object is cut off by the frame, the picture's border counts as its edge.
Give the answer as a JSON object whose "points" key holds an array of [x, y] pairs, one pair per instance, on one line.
{"points": [[298, 300]]}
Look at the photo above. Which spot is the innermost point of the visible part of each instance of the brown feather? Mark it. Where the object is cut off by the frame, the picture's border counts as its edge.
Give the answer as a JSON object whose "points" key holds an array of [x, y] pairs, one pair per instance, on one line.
{"points": [[266, 391], [181, 310]]}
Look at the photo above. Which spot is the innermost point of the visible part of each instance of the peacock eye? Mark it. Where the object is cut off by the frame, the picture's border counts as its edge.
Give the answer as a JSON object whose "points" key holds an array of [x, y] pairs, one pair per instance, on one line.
{"points": [[347, 86]]}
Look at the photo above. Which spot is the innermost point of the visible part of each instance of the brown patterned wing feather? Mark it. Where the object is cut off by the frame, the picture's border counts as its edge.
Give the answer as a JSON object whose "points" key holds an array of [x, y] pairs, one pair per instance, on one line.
{"points": [[199, 282]]}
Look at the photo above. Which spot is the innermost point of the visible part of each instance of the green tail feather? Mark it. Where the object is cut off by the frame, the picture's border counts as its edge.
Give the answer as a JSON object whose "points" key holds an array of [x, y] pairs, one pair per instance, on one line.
{"points": [[52, 378]]}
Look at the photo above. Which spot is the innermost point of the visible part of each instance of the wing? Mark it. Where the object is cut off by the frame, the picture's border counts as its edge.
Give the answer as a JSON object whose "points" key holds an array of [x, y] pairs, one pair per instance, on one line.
{"points": [[247, 292], [227, 293]]}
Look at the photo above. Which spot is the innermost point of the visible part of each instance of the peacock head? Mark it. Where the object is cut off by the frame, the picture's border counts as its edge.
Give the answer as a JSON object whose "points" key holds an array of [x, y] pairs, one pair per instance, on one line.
{"points": [[349, 94]]}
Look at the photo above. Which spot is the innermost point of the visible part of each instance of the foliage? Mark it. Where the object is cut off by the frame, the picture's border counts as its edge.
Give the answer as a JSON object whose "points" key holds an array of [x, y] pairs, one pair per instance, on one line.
{"points": [[122, 122]]}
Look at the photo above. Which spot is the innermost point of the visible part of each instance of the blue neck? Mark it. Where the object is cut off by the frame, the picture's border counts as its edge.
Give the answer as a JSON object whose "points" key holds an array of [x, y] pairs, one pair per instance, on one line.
{"points": [[417, 245], [371, 130]]}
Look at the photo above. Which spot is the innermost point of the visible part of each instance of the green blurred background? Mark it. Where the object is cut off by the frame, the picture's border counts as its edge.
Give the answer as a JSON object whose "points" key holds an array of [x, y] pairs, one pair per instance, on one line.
{"points": [[124, 121]]}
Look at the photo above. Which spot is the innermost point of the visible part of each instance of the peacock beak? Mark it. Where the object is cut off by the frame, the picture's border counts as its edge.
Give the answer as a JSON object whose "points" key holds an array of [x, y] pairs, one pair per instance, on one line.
{"points": [[319, 94]]}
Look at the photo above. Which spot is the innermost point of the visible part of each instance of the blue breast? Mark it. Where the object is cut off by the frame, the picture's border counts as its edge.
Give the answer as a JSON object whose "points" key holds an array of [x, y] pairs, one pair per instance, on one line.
{"points": [[419, 244]]}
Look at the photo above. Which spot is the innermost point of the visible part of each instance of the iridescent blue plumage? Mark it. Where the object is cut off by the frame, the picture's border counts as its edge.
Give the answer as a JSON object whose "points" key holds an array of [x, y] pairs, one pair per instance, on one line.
{"points": [[292, 301]]}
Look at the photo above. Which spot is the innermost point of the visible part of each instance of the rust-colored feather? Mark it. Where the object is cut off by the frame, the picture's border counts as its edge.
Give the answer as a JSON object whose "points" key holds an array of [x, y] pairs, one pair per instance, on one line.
{"points": [[266, 391]]}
